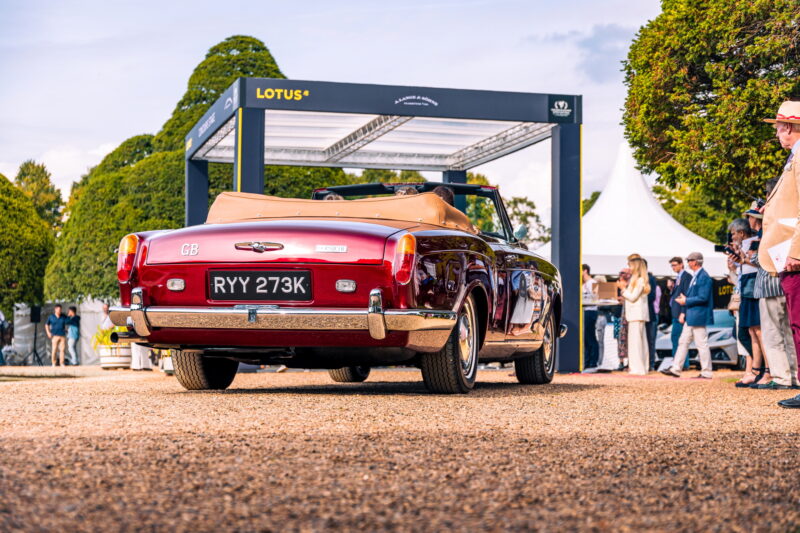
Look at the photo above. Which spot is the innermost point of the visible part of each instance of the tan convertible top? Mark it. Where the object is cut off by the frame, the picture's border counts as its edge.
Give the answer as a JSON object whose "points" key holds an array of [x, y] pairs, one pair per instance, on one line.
{"points": [[426, 208]]}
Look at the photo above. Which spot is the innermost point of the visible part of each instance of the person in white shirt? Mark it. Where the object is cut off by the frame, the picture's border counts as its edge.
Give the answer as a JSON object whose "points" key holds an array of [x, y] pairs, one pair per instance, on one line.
{"points": [[637, 313]]}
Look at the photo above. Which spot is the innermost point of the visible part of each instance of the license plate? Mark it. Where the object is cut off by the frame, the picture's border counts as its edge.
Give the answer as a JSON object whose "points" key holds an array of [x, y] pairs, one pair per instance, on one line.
{"points": [[293, 285]]}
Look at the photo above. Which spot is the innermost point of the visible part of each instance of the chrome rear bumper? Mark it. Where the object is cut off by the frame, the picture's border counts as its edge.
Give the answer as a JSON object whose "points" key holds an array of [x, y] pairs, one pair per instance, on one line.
{"points": [[434, 325]]}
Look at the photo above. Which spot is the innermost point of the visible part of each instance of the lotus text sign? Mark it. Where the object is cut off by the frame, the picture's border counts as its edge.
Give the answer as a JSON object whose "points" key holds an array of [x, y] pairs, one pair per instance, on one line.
{"points": [[400, 100]]}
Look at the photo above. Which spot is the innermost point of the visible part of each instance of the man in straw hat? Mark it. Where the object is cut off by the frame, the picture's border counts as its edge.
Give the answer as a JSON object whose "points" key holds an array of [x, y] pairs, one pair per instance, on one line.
{"points": [[779, 253]]}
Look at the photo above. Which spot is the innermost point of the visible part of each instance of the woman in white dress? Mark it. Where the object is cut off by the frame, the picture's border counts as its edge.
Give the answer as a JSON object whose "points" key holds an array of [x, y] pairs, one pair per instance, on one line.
{"points": [[637, 314]]}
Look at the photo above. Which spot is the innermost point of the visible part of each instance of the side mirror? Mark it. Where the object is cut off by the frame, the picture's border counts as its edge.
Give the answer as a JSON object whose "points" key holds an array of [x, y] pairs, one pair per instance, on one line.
{"points": [[521, 232]]}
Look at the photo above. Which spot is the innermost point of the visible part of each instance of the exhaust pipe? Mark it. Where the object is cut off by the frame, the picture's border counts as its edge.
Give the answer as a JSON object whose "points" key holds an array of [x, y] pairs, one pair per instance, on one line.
{"points": [[126, 338]]}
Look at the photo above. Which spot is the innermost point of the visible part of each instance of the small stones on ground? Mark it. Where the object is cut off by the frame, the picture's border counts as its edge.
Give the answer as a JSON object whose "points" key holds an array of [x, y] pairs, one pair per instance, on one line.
{"points": [[295, 451]]}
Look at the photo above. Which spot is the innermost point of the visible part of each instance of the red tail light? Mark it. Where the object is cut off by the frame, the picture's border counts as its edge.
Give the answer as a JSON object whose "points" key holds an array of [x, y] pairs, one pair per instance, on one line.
{"points": [[405, 252], [127, 253]]}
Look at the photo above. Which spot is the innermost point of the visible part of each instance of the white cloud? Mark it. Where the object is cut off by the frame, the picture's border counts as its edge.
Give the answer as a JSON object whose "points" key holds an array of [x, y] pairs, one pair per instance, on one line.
{"points": [[67, 163], [9, 170], [81, 75]]}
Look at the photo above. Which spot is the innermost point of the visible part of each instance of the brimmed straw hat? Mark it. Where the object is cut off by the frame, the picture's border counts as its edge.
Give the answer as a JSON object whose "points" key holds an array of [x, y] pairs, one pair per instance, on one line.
{"points": [[753, 211], [787, 112]]}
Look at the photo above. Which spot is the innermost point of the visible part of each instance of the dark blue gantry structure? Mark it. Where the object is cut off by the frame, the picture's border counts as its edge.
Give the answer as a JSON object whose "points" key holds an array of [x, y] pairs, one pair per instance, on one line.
{"points": [[260, 121]]}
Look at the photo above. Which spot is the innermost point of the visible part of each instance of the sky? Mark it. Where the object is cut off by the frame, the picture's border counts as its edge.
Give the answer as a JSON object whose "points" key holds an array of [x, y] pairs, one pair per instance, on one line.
{"points": [[78, 78]]}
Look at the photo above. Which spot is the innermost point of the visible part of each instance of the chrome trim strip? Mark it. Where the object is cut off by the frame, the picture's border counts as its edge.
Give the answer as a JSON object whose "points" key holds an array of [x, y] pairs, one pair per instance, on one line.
{"points": [[140, 323], [375, 322], [259, 247], [277, 318]]}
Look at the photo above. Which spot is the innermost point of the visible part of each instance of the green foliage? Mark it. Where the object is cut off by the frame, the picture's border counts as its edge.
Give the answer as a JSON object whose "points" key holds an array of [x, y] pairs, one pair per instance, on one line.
{"points": [[235, 57], [380, 175], [700, 78], [299, 182], [140, 185], [410, 176], [522, 211], [102, 337], [144, 197], [26, 242], [704, 215], [127, 154], [587, 203], [479, 211], [34, 180]]}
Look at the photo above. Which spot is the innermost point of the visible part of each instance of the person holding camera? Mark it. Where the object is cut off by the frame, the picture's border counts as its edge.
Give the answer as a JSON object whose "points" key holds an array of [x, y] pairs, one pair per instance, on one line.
{"points": [[744, 244]]}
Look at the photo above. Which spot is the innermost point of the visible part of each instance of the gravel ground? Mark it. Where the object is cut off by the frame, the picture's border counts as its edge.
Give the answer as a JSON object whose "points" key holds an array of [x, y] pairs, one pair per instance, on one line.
{"points": [[128, 451]]}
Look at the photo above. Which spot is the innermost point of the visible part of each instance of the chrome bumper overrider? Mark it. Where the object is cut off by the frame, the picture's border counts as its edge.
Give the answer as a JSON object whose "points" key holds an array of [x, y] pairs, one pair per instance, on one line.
{"points": [[374, 318]]}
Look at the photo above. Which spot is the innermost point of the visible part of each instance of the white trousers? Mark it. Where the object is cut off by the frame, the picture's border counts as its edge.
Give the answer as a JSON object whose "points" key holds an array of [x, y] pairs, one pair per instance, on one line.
{"points": [[776, 338], [700, 336], [638, 349], [140, 357]]}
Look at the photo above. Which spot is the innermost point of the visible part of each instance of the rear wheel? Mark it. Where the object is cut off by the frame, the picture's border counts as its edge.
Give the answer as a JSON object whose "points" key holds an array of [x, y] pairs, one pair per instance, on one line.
{"points": [[196, 372], [452, 369], [540, 366], [349, 374]]}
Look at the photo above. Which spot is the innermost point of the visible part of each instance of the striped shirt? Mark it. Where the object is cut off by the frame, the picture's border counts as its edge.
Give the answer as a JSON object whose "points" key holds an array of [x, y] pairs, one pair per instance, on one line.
{"points": [[766, 286]]}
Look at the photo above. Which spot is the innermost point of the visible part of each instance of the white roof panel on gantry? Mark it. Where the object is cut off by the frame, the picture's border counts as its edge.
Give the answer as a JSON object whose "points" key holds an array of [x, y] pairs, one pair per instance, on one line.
{"points": [[378, 141]]}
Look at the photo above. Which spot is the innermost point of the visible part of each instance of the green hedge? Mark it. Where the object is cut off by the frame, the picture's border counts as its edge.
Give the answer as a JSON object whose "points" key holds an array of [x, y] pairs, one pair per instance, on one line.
{"points": [[26, 242]]}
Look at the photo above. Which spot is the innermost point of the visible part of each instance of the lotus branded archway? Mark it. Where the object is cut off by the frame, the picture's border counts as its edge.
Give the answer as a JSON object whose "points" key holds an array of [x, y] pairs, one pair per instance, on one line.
{"points": [[260, 121]]}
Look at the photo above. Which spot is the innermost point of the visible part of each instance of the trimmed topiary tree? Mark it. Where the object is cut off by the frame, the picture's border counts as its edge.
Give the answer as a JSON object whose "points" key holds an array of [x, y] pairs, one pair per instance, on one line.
{"points": [[26, 242], [140, 185]]}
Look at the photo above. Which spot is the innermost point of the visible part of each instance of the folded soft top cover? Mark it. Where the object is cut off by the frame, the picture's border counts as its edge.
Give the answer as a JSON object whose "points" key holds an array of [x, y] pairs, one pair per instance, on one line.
{"points": [[425, 208]]}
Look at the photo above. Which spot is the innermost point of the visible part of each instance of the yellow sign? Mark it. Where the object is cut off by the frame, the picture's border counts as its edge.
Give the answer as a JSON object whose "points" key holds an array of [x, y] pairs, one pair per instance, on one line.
{"points": [[189, 144], [281, 94]]}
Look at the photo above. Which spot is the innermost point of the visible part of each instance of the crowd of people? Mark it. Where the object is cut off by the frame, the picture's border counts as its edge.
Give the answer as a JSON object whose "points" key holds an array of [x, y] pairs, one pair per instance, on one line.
{"points": [[764, 267], [685, 304]]}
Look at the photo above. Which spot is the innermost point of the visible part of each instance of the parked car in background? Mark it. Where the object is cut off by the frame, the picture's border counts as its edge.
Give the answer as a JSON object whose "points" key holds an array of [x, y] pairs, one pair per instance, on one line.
{"points": [[721, 340], [344, 285]]}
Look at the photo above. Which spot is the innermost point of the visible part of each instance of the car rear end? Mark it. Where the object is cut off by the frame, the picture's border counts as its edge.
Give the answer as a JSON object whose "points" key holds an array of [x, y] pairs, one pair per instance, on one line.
{"points": [[276, 284]]}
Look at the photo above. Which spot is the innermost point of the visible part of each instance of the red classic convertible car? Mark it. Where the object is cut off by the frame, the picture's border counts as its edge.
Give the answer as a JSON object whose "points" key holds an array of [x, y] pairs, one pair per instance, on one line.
{"points": [[345, 285]]}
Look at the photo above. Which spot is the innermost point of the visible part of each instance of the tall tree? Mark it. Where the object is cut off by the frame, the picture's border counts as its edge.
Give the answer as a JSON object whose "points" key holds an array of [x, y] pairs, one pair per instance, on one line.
{"points": [[236, 56], [588, 203], [34, 180], [140, 185], [521, 211], [700, 78], [25, 245], [703, 215]]}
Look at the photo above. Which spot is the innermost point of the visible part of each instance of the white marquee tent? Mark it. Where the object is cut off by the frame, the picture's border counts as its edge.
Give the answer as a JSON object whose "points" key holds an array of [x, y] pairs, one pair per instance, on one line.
{"points": [[628, 219]]}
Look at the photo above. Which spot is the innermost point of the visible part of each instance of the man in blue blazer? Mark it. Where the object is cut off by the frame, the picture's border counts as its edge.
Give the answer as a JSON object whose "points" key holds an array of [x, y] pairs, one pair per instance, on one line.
{"points": [[699, 302], [678, 311]]}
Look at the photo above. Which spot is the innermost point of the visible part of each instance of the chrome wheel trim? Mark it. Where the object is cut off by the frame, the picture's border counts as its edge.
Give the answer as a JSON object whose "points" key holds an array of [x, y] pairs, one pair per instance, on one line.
{"points": [[548, 351], [467, 349]]}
